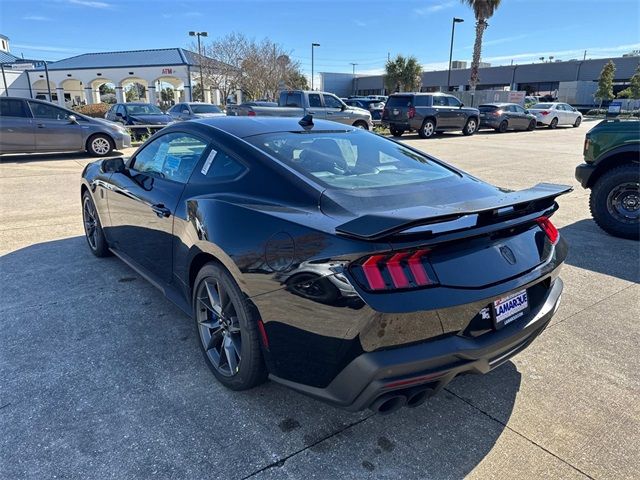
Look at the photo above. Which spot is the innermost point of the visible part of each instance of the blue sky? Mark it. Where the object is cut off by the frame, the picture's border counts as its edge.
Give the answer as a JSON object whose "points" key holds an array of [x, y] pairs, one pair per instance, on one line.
{"points": [[361, 31]]}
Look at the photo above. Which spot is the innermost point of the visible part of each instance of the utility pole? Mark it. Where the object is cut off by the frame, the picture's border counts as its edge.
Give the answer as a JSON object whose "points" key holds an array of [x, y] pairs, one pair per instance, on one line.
{"points": [[200, 34], [354, 77], [312, 73], [453, 30]]}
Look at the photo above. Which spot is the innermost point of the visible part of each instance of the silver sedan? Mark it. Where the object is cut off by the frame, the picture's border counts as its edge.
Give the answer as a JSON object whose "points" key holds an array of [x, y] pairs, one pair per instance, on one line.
{"points": [[553, 114], [30, 126]]}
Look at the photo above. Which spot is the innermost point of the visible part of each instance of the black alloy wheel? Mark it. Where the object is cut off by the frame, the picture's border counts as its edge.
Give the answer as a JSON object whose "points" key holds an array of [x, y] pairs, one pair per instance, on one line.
{"points": [[227, 330], [92, 227], [532, 125], [396, 132], [504, 125], [615, 202]]}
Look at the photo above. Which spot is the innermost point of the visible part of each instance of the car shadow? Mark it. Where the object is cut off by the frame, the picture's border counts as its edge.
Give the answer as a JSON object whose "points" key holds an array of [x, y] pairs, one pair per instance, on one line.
{"points": [[49, 157], [99, 370], [593, 249]]}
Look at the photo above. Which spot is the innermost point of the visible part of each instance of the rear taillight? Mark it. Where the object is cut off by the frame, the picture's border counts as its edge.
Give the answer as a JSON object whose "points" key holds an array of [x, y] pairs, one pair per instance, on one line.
{"points": [[395, 271], [544, 113], [587, 143], [549, 229], [412, 112], [251, 113], [497, 113]]}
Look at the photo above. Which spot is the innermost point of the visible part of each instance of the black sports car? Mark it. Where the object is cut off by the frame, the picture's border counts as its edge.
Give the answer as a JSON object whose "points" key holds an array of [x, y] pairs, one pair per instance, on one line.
{"points": [[340, 263]]}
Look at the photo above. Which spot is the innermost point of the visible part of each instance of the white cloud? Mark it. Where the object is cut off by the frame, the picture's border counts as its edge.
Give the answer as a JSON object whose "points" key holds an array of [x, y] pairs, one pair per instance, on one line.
{"points": [[36, 18], [593, 52], [46, 48], [434, 8], [90, 3]]}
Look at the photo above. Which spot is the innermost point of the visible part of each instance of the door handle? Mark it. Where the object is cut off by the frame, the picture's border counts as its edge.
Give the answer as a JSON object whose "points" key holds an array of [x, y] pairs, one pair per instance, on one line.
{"points": [[40, 125], [160, 210]]}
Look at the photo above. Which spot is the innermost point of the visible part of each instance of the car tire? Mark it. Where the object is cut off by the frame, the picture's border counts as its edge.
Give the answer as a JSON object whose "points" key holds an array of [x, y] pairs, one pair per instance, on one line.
{"points": [[227, 327], [427, 129], [396, 132], [577, 122], [532, 125], [100, 145], [93, 228], [470, 127], [361, 124], [502, 128], [554, 123], [610, 194]]}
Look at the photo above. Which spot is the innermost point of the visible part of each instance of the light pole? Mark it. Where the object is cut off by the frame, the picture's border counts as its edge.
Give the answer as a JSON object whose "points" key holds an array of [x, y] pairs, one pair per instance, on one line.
{"points": [[354, 77], [312, 46], [200, 34], [453, 31]]}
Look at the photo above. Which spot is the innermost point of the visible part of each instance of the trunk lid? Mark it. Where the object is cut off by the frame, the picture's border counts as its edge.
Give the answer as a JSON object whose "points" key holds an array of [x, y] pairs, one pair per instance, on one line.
{"points": [[397, 107]]}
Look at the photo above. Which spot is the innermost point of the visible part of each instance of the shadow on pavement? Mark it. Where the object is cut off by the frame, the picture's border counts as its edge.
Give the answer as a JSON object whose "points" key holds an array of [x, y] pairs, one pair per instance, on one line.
{"points": [[593, 249], [101, 374]]}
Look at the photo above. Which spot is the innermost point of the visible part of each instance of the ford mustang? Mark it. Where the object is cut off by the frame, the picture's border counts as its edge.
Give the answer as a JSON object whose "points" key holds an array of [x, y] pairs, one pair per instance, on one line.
{"points": [[345, 265]]}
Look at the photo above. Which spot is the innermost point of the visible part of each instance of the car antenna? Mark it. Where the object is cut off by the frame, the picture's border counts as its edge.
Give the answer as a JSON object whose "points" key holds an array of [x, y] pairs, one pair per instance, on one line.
{"points": [[306, 121]]}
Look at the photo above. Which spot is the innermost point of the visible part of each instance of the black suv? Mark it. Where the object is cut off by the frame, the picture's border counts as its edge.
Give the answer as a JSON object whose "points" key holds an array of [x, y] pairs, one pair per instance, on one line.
{"points": [[428, 113]]}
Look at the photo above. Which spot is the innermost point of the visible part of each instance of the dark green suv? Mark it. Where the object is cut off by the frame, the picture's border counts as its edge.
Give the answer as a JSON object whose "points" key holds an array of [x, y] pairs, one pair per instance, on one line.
{"points": [[612, 172]]}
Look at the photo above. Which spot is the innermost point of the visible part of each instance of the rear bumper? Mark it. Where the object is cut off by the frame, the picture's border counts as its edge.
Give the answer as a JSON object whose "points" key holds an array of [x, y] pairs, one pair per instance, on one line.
{"points": [[489, 122], [583, 173], [431, 364]]}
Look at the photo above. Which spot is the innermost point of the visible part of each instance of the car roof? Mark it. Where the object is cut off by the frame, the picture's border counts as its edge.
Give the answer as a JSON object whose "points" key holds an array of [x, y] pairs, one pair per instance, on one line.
{"points": [[497, 104], [243, 127]]}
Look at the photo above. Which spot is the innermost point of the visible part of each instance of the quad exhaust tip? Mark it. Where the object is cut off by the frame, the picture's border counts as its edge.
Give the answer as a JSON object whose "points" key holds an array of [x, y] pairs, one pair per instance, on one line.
{"points": [[391, 402]]}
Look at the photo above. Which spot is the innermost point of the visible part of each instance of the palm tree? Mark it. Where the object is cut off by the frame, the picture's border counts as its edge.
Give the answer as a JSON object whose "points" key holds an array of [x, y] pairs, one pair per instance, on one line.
{"points": [[403, 74], [483, 10], [412, 75]]}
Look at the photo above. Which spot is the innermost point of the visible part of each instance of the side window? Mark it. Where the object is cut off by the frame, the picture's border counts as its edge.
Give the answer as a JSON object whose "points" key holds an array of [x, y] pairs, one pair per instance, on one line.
{"points": [[293, 99], [172, 156], [517, 108], [121, 110], [12, 108], [453, 102], [332, 102], [439, 101], [314, 100], [560, 107], [49, 112], [220, 166], [421, 100]]}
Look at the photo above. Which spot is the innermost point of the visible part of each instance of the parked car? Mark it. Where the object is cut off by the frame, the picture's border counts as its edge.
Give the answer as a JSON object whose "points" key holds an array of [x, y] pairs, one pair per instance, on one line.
{"points": [[375, 107], [612, 172], [506, 116], [452, 275], [137, 114], [553, 114], [381, 98], [428, 113], [234, 110], [322, 105], [30, 126], [191, 110]]}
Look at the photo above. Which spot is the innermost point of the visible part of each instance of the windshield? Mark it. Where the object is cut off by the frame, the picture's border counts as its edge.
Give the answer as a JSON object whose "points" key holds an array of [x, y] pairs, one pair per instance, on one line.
{"points": [[143, 110], [350, 160], [543, 106], [197, 108]]}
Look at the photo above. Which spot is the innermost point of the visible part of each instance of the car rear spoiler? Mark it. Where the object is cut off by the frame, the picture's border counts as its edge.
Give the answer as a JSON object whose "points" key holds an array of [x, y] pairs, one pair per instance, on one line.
{"points": [[457, 216]]}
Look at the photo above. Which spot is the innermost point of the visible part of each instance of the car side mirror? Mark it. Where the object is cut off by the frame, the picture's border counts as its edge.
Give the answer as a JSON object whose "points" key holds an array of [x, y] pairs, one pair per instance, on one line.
{"points": [[461, 104], [72, 119], [343, 107], [113, 165], [527, 111]]}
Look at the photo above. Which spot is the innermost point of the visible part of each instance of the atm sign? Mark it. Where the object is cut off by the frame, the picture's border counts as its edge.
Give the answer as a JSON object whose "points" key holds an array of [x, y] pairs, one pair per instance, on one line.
{"points": [[167, 71]]}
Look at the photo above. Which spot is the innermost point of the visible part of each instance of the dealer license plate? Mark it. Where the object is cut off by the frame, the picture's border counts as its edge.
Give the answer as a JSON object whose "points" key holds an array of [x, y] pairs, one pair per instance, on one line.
{"points": [[510, 308]]}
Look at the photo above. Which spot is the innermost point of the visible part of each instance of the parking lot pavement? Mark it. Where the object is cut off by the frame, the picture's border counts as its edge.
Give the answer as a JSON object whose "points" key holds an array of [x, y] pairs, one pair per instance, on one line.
{"points": [[101, 377]]}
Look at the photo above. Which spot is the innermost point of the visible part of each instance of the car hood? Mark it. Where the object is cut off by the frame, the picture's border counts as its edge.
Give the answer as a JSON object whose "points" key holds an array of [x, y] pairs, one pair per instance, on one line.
{"points": [[151, 119], [208, 115]]}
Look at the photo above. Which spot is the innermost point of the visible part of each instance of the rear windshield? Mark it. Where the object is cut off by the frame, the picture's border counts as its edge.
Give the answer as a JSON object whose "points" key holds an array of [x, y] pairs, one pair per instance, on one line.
{"points": [[205, 108], [543, 105], [350, 160], [403, 101], [488, 108]]}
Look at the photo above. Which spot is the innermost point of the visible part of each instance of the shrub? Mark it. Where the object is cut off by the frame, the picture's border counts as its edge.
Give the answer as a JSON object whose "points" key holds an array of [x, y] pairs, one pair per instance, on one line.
{"points": [[96, 110]]}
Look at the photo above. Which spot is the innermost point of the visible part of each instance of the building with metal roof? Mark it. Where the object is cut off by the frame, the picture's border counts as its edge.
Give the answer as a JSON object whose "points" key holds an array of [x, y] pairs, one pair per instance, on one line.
{"points": [[78, 80]]}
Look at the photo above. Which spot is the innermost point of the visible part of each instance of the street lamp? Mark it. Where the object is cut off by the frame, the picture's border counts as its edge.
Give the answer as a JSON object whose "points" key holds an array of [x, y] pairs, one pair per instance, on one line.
{"points": [[200, 34], [354, 77], [312, 45], [453, 30]]}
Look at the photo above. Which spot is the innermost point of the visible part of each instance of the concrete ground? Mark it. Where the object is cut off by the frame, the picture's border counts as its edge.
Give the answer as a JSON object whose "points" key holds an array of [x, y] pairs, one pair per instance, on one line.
{"points": [[100, 377]]}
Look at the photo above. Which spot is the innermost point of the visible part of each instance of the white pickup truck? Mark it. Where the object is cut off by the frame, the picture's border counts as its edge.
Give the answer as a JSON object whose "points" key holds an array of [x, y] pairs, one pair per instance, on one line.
{"points": [[298, 103]]}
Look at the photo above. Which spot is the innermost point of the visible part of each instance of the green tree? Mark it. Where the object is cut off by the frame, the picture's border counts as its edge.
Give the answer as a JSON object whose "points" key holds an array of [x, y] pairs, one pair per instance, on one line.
{"points": [[403, 74], [483, 10], [166, 94], [135, 92], [106, 88], [633, 90], [605, 82]]}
